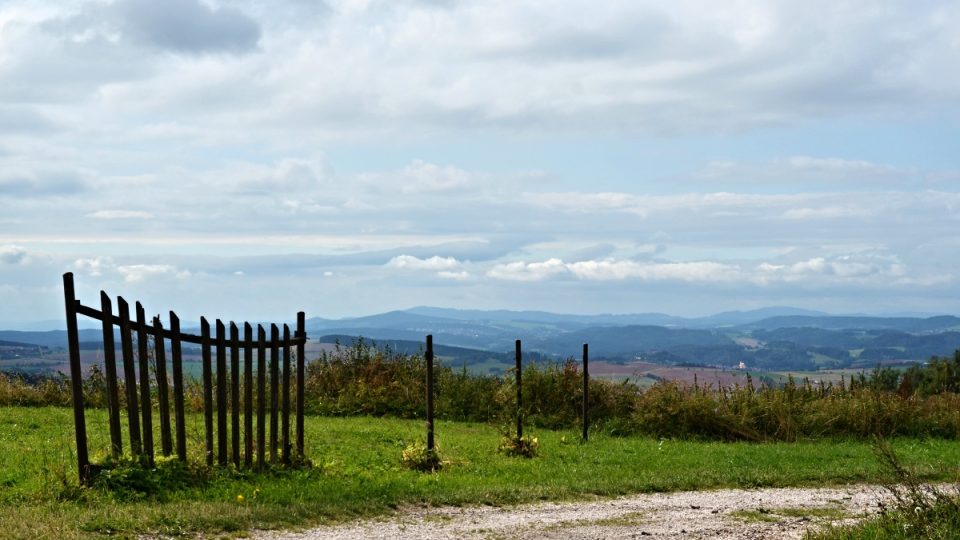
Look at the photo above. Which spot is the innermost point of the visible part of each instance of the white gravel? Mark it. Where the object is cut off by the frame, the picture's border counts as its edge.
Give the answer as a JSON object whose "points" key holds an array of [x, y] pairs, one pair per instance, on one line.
{"points": [[773, 513]]}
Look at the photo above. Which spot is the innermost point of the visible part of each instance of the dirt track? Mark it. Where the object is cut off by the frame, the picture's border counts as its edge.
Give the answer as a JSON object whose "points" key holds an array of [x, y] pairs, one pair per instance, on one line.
{"points": [[722, 514]]}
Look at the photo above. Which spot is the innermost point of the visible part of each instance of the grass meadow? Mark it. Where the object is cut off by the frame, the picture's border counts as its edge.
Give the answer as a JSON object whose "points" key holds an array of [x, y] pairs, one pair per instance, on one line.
{"points": [[357, 472]]}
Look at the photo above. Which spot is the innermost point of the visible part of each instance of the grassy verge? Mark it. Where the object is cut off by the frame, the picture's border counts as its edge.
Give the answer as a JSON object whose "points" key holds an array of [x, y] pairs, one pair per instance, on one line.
{"points": [[358, 472]]}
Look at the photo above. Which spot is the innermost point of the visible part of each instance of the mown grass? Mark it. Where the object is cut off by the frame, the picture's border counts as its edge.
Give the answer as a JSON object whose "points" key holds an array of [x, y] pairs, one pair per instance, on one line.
{"points": [[357, 472]]}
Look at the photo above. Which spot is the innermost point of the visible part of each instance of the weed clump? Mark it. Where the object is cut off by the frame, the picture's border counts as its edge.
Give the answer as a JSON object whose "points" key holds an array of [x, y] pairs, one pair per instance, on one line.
{"points": [[919, 511], [418, 457], [525, 446], [128, 479]]}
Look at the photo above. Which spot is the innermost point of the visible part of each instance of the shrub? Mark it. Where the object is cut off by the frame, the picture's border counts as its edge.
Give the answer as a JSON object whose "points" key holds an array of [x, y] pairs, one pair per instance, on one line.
{"points": [[526, 446], [418, 457]]}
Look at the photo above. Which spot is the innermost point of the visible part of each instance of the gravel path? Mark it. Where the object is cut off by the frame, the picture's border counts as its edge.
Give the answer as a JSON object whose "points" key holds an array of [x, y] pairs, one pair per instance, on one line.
{"points": [[723, 514]]}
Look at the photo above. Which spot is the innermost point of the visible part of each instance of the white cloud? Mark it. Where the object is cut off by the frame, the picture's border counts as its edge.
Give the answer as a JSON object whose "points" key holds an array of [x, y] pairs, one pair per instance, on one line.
{"points": [[131, 273], [135, 273], [698, 271], [826, 212], [420, 177], [95, 266], [817, 174], [456, 276], [414, 263], [521, 271], [12, 254], [120, 214], [616, 270], [852, 269]]}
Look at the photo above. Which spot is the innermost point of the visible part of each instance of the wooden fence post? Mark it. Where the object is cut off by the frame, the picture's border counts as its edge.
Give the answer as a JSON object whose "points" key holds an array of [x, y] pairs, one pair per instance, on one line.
{"points": [[163, 398], [207, 387], [429, 359], [221, 394], [177, 358], [261, 394], [129, 377], [586, 392], [285, 400], [274, 389], [247, 395], [76, 378], [235, 394], [110, 370], [145, 406], [301, 374], [519, 391]]}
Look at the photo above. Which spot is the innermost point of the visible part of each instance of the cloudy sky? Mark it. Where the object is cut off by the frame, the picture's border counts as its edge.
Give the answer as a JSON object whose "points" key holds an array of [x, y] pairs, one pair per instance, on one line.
{"points": [[248, 159]]}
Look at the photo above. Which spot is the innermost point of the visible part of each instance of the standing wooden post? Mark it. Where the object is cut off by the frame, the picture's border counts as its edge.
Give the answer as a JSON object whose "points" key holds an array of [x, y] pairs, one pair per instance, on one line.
{"points": [[110, 369], [429, 359], [235, 393], [261, 394], [301, 374], [129, 377], [247, 395], [177, 352], [207, 387], [285, 400], [221, 394], [586, 392], [519, 392], [76, 378], [274, 389], [163, 397], [146, 408]]}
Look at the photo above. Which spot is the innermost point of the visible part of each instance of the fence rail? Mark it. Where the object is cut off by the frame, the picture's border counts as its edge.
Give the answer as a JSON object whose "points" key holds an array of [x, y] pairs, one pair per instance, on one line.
{"points": [[221, 385]]}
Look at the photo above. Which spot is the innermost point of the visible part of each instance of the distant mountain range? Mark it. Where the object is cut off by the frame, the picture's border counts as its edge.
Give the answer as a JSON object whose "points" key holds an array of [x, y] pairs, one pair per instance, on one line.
{"points": [[768, 338]]}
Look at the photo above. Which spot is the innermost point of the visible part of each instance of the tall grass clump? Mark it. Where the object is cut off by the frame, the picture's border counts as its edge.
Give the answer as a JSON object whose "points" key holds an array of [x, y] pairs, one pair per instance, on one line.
{"points": [[363, 379], [35, 391], [792, 412], [919, 511]]}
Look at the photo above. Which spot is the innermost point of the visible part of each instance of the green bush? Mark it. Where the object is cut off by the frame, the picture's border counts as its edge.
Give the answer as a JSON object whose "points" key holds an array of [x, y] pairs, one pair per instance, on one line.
{"points": [[418, 457], [525, 446]]}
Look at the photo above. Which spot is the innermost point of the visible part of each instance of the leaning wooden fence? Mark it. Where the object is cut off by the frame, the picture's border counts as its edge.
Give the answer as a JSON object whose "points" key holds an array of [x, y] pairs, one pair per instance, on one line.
{"points": [[216, 364]]}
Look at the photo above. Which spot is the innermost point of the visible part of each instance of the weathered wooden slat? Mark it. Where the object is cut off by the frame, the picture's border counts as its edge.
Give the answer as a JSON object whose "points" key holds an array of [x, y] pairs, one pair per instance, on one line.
{"points": [[300, 336], [110, 371], [261, 395], [207, 387], [285, 401], [519, 359], [274, 389], [76, 378], [247, 395], [163, 393], [221, 394], [429, 359], [146, 407], [235, 394], [129, 377], [586, 392], [178, 412]]}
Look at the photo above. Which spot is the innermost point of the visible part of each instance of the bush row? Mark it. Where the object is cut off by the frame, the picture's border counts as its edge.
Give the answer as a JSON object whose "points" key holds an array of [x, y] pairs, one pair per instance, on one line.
{"points": [[362, 379]]}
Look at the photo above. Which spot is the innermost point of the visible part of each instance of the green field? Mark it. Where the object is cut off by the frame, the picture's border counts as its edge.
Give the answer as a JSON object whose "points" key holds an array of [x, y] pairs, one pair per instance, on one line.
{"points": [[357, 472]]}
